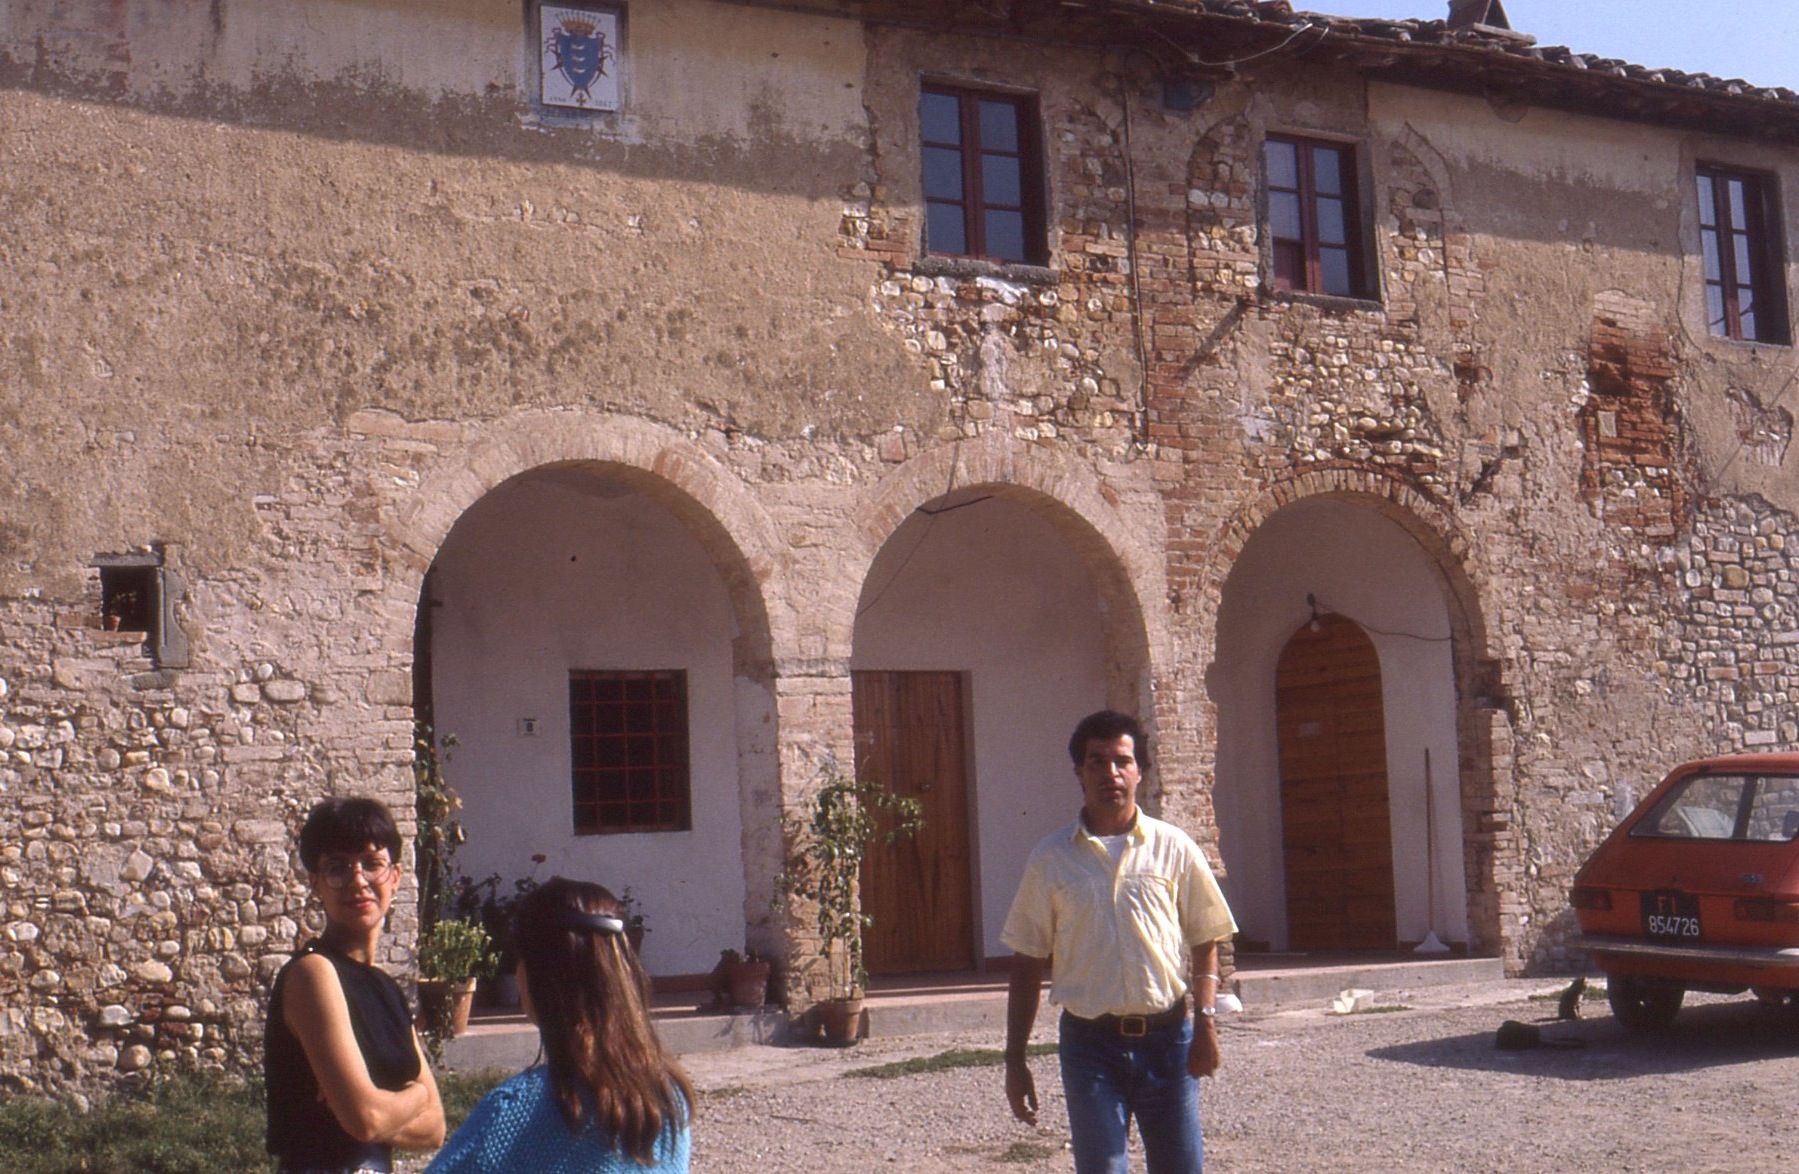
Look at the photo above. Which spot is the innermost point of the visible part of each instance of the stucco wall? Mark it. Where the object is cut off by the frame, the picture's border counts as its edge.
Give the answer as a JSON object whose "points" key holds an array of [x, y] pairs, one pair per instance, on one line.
{"points": [[292, 289], [569, 570]]}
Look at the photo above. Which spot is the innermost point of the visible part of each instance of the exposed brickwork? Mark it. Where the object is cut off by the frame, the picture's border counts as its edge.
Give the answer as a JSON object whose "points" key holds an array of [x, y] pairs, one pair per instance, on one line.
{"points": [[1628, 422], [300, 389]]}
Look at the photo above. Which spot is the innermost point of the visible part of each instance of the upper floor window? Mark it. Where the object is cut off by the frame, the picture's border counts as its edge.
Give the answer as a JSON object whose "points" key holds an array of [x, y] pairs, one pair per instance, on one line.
{"points": [[1314, 217], [628, 748], [1743, 288], [983, 175]]}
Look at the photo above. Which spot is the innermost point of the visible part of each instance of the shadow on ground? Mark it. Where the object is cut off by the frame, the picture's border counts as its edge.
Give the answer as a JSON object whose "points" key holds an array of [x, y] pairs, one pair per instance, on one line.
{"points": [[1710, 1036]]}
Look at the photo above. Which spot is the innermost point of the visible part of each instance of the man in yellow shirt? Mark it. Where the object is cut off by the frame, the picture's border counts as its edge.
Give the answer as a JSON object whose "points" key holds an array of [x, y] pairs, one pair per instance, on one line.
{"points": [[1127, 908]]}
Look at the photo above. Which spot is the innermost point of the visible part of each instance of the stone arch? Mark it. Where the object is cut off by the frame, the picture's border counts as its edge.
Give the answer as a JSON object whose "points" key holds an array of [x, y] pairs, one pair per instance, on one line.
{"points": [[656, 460], [1423, 516], [1483, 726], [1002, 596], [704, 497], [1089, 513]]}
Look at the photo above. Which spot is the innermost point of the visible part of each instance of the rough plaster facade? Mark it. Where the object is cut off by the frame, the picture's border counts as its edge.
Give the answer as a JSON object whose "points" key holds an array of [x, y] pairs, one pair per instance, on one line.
{"points": [[290, 288]]}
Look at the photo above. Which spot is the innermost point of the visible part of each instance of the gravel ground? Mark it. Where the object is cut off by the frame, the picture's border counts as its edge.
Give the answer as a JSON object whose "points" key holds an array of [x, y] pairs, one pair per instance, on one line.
{"points": [[1417, 1088]]}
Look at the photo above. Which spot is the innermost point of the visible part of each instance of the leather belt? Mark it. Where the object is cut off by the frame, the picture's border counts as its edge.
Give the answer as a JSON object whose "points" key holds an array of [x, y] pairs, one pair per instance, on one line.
{"points": [[1137, 1026]]}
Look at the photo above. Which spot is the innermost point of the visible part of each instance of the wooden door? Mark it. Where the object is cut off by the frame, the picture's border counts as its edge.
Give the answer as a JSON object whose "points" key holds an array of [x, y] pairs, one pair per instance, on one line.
{"points": [[1336, 836], [910, 738]]}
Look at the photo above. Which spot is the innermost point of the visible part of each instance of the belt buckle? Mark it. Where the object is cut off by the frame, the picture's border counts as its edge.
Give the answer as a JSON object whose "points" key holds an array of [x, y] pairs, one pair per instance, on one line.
{"points": [[1133, 1026]]}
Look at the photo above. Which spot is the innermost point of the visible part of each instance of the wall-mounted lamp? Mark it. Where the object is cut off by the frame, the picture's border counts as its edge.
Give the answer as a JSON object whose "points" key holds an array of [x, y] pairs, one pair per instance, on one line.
{"points": [[1312, 602]]}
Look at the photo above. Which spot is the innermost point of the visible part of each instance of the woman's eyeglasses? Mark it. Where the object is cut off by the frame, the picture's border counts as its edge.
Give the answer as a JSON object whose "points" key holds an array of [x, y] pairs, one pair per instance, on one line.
{"points": [[374, 869]]}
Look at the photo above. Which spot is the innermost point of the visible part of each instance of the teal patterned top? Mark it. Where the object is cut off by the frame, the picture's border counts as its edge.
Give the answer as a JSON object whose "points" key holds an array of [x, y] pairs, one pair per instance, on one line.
{"points": [[517, 1126]]}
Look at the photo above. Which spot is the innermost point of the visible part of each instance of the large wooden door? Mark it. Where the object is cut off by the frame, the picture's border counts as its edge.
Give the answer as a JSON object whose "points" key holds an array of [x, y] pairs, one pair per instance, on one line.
{"points": [[1335, 833], [909, 737]]}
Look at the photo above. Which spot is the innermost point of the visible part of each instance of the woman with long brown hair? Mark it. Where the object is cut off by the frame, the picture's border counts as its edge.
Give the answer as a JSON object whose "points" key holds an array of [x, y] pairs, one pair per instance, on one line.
{"points": [[606, 1098]]}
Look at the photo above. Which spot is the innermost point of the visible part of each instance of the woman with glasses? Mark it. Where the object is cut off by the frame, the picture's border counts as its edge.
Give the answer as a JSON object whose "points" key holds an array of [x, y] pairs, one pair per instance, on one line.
{"points": [[606, 1099], [347, 1080]]}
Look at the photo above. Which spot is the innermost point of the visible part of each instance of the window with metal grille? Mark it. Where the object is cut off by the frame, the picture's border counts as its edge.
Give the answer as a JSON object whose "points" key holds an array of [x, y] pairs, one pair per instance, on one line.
{"points": [[1744, 294], [628, 747], [983, 175], [1314, 217]]}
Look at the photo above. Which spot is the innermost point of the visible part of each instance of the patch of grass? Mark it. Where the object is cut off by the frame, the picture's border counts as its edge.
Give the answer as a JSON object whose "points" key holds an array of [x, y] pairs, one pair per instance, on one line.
{"points": [[1594, 993], [189, 1122], [1022, 1152], [461, 1090], [943, 1061]]}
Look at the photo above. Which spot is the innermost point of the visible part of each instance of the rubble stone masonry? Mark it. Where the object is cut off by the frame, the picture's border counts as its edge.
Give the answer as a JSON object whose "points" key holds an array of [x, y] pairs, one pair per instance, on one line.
{"points": [[278, 312]]}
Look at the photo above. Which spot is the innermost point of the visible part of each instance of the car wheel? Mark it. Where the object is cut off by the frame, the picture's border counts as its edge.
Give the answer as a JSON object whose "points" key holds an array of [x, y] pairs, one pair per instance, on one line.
{"points": [[1642, 1006]]}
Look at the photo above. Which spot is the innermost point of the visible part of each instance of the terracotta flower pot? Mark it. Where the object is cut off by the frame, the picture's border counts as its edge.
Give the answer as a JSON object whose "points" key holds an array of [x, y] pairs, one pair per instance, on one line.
{"points": [[749, 985], [444, 1006], [841, 1020]]}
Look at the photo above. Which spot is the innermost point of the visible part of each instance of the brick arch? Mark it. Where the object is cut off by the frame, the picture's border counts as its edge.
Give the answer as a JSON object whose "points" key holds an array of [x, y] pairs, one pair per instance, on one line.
{"points": [[1420, 514], [715, 506], [1122, 552], [1491, 853]]}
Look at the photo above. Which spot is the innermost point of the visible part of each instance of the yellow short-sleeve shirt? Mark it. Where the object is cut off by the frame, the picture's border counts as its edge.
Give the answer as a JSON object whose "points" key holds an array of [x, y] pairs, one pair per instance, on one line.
{"points": [[1119, 936]]}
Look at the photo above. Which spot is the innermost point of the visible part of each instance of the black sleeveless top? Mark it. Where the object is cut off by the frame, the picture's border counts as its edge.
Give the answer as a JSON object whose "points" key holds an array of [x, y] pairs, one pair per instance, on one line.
{"points": [[302, 1132]]}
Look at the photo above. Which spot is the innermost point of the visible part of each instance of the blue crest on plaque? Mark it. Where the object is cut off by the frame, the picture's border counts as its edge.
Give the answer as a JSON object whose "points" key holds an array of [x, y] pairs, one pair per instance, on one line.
{"points": [[578, 47]]}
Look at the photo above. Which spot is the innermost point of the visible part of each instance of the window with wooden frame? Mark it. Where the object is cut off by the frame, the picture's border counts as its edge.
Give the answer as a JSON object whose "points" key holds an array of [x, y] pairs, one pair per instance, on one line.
{"points": [[1744, 292], [628, 751], [983, 175], [1314, 217]]}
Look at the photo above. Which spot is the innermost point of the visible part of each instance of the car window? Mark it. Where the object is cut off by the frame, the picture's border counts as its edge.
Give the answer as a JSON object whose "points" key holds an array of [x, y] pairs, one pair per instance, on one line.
{"points": [[1727, 807]]}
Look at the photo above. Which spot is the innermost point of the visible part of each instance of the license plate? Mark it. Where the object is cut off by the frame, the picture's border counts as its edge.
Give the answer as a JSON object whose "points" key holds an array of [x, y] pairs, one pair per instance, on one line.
{"points": [[1670, 915]]}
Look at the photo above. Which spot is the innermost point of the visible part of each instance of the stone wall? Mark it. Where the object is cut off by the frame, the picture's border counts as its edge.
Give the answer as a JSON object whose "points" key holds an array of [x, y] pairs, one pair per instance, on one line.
{"points": [[299, 321]]}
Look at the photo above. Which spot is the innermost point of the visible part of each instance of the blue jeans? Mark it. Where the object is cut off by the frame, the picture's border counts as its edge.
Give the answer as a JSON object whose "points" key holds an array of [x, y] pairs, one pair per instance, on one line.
{"points": [[1108, 1079]]}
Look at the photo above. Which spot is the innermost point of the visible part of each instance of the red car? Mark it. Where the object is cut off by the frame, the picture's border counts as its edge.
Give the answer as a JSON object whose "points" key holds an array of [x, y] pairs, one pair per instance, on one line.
{"points": [[1698, 890]]}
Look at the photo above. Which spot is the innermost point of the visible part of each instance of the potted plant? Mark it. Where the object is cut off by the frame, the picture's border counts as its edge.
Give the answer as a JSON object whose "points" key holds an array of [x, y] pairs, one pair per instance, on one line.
{"points": [[453, 955], [744, 979], [827, 840], [635, 925], [482, 901], [440, 832]]}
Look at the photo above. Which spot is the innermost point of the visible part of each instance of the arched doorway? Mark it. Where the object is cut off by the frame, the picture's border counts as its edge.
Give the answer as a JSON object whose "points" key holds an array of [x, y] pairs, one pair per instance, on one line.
{"points": [[582, 652], [1359, 562], [989, 623], [1336, 830]]}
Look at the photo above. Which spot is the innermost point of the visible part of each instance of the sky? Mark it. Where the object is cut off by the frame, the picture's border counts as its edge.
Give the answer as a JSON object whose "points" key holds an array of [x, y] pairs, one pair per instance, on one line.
{"points": [[1757, 40]]}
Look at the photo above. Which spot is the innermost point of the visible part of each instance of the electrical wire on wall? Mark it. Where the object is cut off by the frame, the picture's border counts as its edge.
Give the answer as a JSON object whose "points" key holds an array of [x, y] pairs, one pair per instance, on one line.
{"points": [[1141, 425]]}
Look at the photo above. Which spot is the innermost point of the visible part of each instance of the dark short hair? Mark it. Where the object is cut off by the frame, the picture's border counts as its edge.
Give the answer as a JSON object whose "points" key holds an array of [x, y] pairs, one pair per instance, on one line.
{"points": [[1109, 725], [345, 823]]}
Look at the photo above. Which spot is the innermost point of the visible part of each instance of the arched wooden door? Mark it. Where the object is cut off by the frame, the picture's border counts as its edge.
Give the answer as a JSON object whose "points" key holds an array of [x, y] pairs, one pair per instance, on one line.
{"points": [[1336, 836], [910, 738]]}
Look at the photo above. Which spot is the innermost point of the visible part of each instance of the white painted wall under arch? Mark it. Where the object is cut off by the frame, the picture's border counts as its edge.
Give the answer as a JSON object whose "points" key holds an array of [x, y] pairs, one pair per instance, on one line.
{"points": [[562, 569], [994, 590], [1363, 565]]}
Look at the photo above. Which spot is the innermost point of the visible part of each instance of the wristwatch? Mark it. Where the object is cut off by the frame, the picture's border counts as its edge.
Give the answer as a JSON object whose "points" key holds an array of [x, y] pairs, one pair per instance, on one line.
{"points": [[1207, 1012]]}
